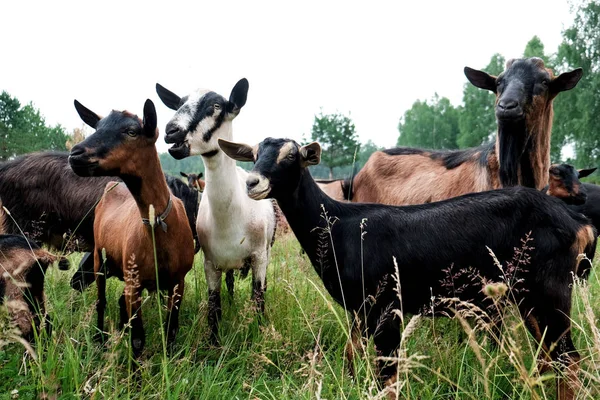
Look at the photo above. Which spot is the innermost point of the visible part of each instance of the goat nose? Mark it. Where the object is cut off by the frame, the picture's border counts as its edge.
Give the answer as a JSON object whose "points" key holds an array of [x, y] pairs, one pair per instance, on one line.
{"points": [[77, 151], [172, 129], [251, 182], [508, 104]]}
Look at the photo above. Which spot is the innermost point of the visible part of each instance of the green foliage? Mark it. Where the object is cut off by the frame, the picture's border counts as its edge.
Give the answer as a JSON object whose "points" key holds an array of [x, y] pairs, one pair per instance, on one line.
{"points": [[432, 125], [172, 166], [477, 121], [535, 48], [24, 130], [338, 139], [577, 112]]}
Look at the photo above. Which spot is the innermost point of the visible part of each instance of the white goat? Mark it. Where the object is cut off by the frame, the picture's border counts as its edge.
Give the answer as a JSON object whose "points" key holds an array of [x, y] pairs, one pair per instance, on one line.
{"points": [[234, 231]]}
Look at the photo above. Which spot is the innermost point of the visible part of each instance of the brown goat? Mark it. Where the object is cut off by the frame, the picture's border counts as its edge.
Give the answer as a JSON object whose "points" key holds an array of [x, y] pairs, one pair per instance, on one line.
{"points": [[520, 155], [125, 245], [194, 181], [23, 267]]}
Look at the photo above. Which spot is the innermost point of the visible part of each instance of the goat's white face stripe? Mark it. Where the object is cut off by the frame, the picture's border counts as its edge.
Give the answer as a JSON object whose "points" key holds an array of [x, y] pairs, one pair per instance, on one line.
{"points": [[284, 151]]}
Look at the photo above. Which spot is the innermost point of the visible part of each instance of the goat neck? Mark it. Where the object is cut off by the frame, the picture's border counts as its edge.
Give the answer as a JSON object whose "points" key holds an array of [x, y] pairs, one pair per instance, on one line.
{"points": [[147, 184]]}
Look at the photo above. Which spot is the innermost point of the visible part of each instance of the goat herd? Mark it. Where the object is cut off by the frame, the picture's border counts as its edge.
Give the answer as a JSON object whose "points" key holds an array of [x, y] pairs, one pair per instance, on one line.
{"points": [[110, 198]]}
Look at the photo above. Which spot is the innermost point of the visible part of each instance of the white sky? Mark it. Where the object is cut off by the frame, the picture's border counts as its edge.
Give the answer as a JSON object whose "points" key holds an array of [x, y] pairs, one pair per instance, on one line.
{"points": [[370, 58]]}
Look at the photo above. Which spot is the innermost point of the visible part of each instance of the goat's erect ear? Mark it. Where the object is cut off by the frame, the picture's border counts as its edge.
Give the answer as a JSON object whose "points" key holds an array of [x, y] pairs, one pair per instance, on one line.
{"points": [[238, 96], [200, 175], [582, 173], [481, 79], [566, 81], [237, 151], [150, 120], [169, 98], [183, 174], [88, 116], [311, 154]]}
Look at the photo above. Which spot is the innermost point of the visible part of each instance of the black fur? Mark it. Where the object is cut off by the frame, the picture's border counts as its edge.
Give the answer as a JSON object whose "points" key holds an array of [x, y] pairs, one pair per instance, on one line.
{"points": [[426, 240], [403, 151]]}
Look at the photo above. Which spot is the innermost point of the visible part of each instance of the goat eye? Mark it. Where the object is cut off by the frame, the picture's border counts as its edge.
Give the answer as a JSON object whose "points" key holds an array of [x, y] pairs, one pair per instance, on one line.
{"points": [[291, 156], [131, 132], [545, 82], [217, 106]]}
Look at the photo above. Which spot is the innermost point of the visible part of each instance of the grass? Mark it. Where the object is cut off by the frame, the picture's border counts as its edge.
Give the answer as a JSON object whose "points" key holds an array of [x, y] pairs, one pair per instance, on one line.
{"points": [[297, 352]]}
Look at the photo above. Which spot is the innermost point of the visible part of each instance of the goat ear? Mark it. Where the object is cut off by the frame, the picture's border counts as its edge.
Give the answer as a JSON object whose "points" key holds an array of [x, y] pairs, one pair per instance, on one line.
{"points": [[481, 79], [169, 98], [582, 173], [88, 116], [183, 174], [237, 151], [150, 120], [311, 154], [566, 81], [238, 96], [200, 175]]}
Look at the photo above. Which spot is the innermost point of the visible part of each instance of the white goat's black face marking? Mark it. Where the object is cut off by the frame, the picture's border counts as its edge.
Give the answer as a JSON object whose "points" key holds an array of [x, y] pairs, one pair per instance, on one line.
{"points": [[204, 110]]}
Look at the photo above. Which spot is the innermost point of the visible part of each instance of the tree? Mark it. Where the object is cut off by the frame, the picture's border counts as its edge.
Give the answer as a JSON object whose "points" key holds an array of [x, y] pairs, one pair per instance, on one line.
{"points": [[24, 130], [337, 135], [477, 122], [577, 112], [535, 48], [433, 126]]}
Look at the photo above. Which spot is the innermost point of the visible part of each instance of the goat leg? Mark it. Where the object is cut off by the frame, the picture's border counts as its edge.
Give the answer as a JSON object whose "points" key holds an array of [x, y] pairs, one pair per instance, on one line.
{"points": [[213, 279], [229, 282], [172, 322]]}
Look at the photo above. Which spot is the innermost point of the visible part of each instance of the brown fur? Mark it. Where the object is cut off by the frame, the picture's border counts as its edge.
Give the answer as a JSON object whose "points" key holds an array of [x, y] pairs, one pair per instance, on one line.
{"points": [[416, 179]]}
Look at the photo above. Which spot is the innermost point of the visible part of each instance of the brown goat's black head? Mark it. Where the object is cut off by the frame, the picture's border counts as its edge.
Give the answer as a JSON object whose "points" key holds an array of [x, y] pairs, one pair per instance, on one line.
{"points": [[525, 85], [119, 144], [524, 94], [278, 164], [564, 183], [194, 181]]}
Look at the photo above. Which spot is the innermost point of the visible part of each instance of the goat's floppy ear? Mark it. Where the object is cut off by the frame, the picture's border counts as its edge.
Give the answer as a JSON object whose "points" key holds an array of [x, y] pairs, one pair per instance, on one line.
{"points": [[566, 81], [311, 154], [481, 79], [169, 98], [238, 96], [582, 173], [183, 174], [237, 151], [88, 116], [150, 120]]}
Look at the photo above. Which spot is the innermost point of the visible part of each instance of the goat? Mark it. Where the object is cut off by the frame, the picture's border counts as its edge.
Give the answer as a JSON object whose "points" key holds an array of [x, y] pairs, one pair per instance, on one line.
{"points": [[23, 266], [56, 208], [425, 240], [128, 237], [520, 155], [234, 230], [583, 198], [194, 181]]}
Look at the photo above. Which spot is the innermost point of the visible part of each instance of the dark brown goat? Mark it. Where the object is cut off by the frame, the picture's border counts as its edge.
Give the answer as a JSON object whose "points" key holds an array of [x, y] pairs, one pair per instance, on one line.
{"points": [[194, 181], [520, 155], [128, 237], [23, 267]]}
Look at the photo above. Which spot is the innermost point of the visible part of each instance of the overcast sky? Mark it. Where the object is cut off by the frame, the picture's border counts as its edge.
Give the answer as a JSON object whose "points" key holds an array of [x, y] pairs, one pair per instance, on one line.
{"points": [[372, 59]]}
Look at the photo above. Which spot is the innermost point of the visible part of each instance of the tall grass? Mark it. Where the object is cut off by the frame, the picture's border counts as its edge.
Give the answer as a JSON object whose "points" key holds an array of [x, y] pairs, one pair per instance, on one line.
{"points": [[298, 352]]}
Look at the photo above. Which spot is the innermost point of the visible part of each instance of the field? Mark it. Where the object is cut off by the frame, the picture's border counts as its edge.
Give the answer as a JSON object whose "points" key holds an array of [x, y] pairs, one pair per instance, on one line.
{"points": [[296, 352]]}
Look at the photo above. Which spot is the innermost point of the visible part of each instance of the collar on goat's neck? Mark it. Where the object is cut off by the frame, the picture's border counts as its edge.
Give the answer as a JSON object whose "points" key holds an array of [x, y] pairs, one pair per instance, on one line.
{"points": [[160, 219]]}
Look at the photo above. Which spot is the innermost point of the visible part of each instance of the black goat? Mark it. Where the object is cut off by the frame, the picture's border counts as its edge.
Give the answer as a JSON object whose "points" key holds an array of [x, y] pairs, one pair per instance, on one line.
{"points": [[426, 240], [53, 206]]}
